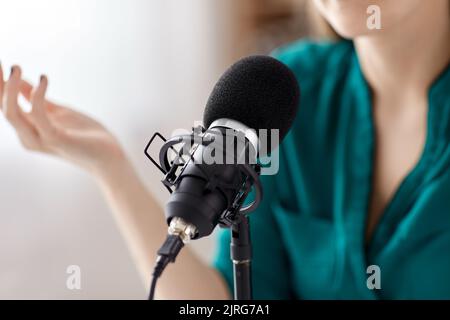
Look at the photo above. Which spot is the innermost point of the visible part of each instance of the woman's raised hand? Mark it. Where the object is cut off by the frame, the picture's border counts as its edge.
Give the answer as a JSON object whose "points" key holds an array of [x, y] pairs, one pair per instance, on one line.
{"points": [[54, 129]]}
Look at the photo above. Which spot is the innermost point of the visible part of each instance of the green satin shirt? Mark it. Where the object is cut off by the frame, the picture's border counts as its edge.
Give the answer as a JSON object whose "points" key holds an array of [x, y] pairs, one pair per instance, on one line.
{"points": [[308, 234]]}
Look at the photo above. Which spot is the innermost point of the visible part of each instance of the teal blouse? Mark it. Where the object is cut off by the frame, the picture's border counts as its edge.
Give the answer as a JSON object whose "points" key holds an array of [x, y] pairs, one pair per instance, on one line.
{"points": [[308, 234]]}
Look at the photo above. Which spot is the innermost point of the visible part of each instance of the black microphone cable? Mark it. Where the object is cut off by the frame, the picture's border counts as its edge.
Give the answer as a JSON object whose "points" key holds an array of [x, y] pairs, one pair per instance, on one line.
{"points": [[180, 232], [166, 254]]}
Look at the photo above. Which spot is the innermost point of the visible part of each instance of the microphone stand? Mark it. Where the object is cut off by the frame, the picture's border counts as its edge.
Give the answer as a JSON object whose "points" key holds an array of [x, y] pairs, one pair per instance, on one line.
{"points": [[241, 256]]}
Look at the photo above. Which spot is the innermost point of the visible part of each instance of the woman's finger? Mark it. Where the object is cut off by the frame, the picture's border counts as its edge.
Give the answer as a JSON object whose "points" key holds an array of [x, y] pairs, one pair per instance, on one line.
{"points": [[25, 130], [10, 102], [26, 89], [38, 112]]}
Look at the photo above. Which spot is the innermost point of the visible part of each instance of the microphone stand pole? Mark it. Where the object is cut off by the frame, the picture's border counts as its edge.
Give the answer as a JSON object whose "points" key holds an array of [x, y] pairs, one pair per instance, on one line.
{"points": [[241, 255]]}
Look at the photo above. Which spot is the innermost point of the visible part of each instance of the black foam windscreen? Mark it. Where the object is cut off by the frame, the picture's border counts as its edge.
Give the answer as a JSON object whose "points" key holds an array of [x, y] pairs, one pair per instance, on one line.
{"points": [[258, 91]]}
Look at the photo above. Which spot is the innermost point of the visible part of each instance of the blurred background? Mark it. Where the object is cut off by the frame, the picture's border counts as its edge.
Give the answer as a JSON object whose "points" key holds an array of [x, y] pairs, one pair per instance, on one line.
{"points": [[138, 66]]}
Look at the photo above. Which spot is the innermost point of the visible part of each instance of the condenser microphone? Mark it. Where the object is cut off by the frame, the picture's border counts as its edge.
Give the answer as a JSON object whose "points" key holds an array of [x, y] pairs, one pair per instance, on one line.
{"points": [[256, 94], [259, 92]]}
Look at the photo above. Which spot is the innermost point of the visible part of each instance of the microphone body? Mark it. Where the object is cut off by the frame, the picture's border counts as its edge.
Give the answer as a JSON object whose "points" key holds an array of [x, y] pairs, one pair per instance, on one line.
{"points": [[209, 182]]}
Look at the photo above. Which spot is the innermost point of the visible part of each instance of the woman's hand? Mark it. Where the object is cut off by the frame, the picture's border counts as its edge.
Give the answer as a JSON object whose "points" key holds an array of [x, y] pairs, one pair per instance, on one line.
{"points": [[54, 129]]}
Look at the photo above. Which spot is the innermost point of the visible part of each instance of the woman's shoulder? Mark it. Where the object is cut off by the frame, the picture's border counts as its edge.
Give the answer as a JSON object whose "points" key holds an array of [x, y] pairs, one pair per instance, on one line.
{"points": [[312, 58], [329, 96], [312, 51], [324, 71]]}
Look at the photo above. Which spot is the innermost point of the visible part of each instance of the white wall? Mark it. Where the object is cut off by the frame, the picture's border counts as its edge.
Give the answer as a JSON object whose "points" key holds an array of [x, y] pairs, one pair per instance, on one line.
{"points": [[135, 65]]}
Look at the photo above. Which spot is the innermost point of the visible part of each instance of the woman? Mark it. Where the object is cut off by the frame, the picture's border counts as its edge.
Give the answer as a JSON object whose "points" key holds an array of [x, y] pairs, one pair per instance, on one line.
{"points": [[364, 176]]}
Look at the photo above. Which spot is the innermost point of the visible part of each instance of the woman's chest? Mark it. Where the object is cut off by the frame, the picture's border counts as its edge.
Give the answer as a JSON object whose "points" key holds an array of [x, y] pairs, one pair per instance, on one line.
{"points": [[400, 131], [329, 260]]}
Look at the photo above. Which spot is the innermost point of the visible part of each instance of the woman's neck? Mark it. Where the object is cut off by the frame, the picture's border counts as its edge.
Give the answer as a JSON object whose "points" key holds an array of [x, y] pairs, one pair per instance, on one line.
{"points": [[412, 53]]}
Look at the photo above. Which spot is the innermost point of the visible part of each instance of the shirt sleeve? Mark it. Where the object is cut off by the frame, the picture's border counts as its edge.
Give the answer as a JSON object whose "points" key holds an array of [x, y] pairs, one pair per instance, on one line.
{"points": [[270, 267]]}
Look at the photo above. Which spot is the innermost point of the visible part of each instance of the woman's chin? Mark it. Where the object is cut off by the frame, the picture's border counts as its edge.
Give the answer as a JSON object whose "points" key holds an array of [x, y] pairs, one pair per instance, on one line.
{"points": [[352, 30]]}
